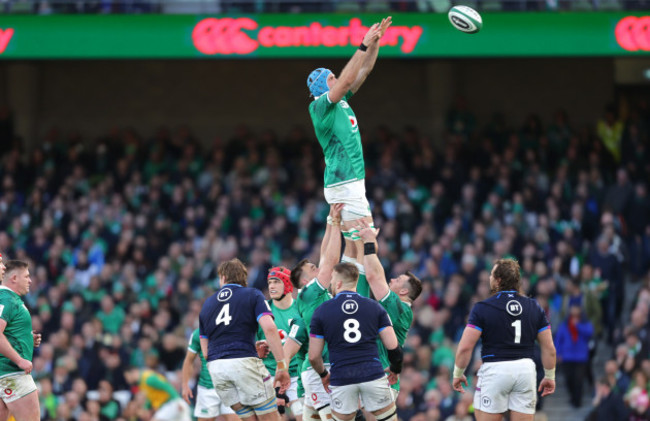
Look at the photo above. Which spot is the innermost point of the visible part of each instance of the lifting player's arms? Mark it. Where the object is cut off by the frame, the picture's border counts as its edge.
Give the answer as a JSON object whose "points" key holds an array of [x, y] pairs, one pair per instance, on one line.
{"points": [[228, 323], [508, 324], [350, 325], [314, 293], [395, 296]]}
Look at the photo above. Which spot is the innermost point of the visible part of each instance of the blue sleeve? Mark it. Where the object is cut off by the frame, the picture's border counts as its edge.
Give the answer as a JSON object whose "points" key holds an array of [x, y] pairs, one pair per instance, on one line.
{"points": [[260, 305], [542, 320], [475, 320], [383, 319], [201, 328], [316, 326]]}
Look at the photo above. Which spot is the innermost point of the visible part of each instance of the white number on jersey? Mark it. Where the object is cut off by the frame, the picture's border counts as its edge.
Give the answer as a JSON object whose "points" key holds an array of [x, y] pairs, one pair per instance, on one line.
{"points": [[2, 308], [517, 325], [224, 315], [351, 333]]}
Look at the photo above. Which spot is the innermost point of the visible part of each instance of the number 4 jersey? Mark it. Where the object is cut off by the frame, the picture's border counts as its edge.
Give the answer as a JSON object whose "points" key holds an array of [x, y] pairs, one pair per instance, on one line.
{"points": [[229, 320], [509, 324], [350, 324]]}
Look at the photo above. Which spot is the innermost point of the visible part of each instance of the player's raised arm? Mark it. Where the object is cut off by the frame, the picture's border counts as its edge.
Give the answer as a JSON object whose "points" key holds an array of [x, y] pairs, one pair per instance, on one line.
{"points": [[333, 249], [466, 345], [351, 70], [547, 385], [371, 55], [375, 274]]}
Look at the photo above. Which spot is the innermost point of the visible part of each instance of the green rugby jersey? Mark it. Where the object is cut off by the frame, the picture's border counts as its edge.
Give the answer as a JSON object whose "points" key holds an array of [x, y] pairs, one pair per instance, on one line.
{"points": [[402, 316], [195, 346], [337, 132], [282, 320], [298, 333], [309, 299], [18, 330]]}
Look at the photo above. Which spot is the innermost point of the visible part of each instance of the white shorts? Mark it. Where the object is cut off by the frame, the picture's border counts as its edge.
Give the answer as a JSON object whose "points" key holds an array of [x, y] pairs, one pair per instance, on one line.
{"points": [[374, 395], [296, 407], [315, 394], [15, 386], [208, 404], [506, 385], [176, 410], [353, 194], [241, 380]]}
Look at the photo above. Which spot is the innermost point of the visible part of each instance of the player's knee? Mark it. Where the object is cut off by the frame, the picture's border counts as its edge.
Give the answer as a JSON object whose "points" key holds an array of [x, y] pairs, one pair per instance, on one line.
{"points": [[268, 406], [386, 414], [325, 413], [243, 411]]}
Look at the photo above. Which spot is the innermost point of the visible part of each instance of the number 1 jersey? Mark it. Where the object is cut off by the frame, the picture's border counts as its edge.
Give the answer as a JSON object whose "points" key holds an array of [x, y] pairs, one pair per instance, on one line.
{"points": [[509, 324]]}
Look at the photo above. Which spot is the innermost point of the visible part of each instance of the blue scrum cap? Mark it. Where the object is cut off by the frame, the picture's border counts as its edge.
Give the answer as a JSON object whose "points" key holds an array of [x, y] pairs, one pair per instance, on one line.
{"points": [[317, 81]]}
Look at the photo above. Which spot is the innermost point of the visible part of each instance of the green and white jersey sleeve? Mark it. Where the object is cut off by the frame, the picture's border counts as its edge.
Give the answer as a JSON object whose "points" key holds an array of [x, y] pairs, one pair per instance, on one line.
{"points": [[18, 330], [401, 315], [195, 346], [337, 131]]}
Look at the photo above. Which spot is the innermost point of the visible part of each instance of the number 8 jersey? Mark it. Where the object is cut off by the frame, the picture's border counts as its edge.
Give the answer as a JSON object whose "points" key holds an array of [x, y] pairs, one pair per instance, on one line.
{"points": [[509, 324], [229, 320], [350, 324]]}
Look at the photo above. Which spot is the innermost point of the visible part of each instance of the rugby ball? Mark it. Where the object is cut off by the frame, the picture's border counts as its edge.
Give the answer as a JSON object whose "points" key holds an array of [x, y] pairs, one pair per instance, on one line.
{"points": [[465, 19]]}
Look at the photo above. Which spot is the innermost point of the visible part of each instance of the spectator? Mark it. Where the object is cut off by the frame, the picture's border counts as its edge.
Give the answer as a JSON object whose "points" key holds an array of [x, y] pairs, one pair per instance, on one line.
{"points": [[572, 344]]}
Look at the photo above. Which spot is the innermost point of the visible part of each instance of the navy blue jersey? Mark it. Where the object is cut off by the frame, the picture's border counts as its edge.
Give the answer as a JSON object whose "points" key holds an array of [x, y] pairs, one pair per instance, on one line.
{"points": [[509, 324], [229, 319], [350, 324]]}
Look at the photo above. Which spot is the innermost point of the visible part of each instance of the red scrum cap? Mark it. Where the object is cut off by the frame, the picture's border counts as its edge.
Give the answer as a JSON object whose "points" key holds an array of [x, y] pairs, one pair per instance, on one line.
{"points": [[283, 274]]}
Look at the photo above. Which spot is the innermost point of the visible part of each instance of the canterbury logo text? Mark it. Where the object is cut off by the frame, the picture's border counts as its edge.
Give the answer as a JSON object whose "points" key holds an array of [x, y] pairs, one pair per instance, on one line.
{"points": [[237, 36], [633, 33]]}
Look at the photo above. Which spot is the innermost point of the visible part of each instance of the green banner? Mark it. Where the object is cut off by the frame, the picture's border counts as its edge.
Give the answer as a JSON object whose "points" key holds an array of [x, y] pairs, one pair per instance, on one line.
{"points": [[323, 35]]}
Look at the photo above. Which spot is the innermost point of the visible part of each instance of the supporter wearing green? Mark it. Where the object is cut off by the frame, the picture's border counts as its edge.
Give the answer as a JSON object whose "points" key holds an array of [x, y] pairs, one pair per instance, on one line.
{"points": [[309, 298], [296, 348], [208, 404], [395, 296], [17, 342], [111, 316]]}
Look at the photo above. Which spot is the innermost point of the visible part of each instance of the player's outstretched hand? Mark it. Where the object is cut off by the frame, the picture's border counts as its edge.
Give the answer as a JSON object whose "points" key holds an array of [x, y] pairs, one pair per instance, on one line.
{"points": [[367, 234], [37, 339], [373, 34], [385, 23], [26, 365], [282, 380], [335, 211], [458, 383], [187, 394], [546, 386], [262, 348]]}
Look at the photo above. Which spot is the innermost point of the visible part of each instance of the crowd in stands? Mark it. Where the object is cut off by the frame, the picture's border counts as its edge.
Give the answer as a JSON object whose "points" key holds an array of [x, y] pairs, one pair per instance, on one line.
{"points": [[308, 6], [124, 234]]}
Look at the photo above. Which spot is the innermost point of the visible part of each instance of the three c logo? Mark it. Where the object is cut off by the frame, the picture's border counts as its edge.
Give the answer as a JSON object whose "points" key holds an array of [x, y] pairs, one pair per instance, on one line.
{"points": [[224, 36], [633, 33]]}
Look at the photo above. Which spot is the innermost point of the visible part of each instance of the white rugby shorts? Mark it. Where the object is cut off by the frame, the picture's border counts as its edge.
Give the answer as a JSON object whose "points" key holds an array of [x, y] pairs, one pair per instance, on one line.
{"points": [[15, 386], [315, 394], [353, 195], [241, 380], [374, 395], [208, 404], [506, 385]]}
